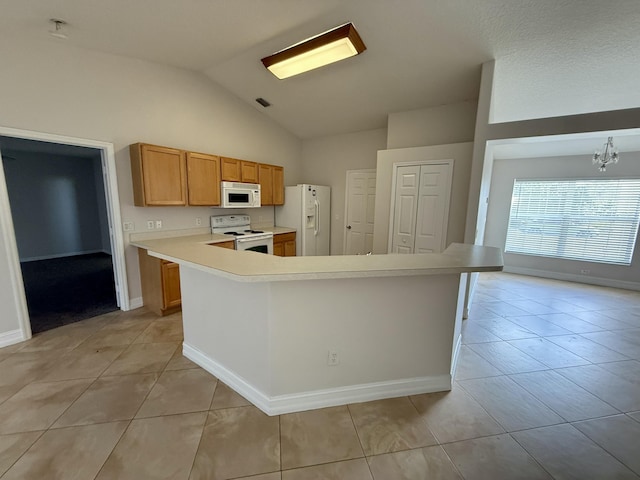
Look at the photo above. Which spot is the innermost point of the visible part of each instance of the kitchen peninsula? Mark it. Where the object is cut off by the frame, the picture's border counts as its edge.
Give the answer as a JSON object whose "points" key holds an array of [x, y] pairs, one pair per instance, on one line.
{"points": [[297, 333]]}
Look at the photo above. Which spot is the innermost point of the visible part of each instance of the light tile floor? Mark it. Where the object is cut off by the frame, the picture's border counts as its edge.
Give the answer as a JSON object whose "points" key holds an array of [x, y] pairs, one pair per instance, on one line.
{"points": [[548, 386]]}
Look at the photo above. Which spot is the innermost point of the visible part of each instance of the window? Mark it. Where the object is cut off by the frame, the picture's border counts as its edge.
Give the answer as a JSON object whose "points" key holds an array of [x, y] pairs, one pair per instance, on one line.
{"points": [[592, 220]]}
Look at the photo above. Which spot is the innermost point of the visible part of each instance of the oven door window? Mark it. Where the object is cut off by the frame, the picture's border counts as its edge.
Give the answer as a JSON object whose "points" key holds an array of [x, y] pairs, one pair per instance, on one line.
{"points": [[259, 248]]}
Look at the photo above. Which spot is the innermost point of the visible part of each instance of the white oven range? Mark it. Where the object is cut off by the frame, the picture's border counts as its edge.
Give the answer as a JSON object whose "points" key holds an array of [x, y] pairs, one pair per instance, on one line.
{"points": [[239, 227]]}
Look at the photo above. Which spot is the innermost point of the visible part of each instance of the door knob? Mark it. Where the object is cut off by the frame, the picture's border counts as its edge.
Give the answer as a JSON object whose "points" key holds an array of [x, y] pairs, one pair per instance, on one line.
{"points": [[348, 227]]}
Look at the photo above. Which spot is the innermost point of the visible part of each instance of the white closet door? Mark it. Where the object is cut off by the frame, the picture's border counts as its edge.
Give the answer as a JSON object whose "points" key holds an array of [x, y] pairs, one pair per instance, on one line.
{"points": [[433, 208], [405, 209]]}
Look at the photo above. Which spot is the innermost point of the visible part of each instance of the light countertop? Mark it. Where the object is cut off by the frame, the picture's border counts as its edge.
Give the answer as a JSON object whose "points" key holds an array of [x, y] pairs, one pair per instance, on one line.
{"points": [[197, 252]]}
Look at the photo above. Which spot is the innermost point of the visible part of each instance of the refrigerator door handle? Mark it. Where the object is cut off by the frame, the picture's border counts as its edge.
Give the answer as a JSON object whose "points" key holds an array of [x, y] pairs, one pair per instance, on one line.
{"points": [[316, 227]]}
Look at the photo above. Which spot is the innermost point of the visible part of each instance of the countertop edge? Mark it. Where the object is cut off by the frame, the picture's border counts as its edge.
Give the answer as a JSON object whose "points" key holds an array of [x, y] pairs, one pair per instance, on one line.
{"points": [[243, 266]]}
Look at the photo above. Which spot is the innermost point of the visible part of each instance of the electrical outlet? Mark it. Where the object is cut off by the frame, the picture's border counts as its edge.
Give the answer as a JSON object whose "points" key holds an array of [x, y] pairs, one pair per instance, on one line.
{"points": [[151, 224], [198, 221], [332, 358], [158, 223], [127, 226]]}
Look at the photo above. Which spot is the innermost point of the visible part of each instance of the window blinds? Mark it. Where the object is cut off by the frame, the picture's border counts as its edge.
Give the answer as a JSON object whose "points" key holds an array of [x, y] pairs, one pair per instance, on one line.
{"points": [[593, 220]]}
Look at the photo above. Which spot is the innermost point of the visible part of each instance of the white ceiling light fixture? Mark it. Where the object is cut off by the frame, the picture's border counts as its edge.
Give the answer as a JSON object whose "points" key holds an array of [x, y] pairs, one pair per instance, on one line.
{"points": [[329, 47], [57, 30], [608, 156]]}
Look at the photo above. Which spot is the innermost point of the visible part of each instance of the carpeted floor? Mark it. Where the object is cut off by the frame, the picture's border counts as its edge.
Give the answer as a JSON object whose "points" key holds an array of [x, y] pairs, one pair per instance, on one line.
{"points": [[69, 289]]}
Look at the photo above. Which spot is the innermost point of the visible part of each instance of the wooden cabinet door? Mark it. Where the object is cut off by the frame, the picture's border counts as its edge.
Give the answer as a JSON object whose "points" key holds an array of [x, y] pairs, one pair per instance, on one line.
{"points": [[265, 173], [278, 185], [159, 175], [203, 179], [230, 169], [171, 284], [249, 171], [278, 249], [284, 244], [290, 248]]}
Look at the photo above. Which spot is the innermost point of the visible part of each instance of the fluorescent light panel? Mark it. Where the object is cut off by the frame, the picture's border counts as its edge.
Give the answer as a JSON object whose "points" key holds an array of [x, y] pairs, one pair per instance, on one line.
{"points": [[332, 46]]}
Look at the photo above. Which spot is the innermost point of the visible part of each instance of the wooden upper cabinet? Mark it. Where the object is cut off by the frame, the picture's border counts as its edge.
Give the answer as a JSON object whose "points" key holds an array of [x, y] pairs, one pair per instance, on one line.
{"points": [[159, 175], [234, 170], [230, 169], [249, 171], [266, 184], [166, 176], [203, 179], [271, 184], [278, 185]]}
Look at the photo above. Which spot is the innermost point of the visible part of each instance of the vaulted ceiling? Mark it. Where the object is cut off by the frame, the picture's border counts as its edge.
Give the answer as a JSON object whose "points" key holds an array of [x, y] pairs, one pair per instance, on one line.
{"points": [[420, 53]]}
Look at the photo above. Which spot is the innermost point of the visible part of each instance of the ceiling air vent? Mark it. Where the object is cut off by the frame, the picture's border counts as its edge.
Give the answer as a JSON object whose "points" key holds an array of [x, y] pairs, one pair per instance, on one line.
{"points": [[263, 102]]}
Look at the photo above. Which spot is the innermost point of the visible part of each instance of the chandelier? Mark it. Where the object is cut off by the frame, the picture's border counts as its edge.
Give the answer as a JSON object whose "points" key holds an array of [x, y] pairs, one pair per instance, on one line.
{"points": [[607, 156]]}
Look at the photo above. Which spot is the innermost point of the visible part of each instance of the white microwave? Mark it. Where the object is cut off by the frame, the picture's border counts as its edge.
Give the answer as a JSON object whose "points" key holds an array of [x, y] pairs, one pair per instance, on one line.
{"points": [[240, 195]]}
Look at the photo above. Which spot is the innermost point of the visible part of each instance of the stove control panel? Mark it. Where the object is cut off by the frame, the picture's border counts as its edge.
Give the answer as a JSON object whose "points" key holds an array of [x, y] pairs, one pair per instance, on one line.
{"points": [[224, 221]]}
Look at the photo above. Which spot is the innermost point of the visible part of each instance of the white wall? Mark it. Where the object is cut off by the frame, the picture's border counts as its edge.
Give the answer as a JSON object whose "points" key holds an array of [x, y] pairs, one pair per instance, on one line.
{"points": [[460, 153], [580, 166], [326, 161], [453, 123], [489, 133], [445, 129], [54, 204], [559, 78], [52, 87]]}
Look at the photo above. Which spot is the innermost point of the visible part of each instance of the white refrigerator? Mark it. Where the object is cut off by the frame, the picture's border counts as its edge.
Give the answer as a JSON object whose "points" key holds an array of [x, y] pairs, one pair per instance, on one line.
{"points": [[307, 208]]}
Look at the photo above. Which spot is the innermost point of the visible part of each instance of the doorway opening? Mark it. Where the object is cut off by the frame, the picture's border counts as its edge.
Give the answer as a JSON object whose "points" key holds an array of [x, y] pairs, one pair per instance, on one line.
{"points": [[59, 209]]}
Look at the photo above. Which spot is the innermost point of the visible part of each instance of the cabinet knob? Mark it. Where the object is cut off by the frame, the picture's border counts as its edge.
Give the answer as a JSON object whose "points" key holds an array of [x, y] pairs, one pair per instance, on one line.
{"points": [[348, 227]]}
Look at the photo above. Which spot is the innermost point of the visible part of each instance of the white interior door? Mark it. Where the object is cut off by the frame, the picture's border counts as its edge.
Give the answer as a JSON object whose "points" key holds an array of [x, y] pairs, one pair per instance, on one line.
{"points": [[433, 208], [405, 209], [359, 212], [420, 207]]}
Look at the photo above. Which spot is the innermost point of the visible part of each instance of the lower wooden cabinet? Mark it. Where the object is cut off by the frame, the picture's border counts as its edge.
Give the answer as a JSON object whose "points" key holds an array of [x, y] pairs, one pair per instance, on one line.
{"points": [[160, 281], [171, 296], [228, 244], [284, 244]]}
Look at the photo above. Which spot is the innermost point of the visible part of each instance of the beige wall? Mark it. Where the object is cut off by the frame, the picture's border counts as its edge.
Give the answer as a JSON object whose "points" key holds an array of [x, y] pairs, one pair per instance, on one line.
{"points": [[440, 125], [55, 88], [460, 153], [438, 133], [325, 161]]}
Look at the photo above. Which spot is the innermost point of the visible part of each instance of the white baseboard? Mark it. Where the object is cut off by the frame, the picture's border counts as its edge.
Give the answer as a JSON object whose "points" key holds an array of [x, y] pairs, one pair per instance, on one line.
{"points": [[569, 277], [11, 337], [136, 302], [310, 400]]}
